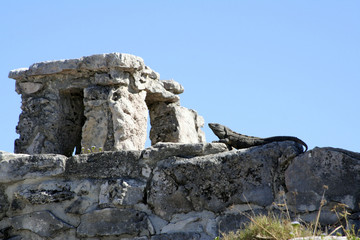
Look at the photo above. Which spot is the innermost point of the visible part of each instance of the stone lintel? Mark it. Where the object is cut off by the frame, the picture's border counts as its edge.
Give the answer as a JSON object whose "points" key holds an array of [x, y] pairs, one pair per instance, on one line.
{"points": [[98, 62]]}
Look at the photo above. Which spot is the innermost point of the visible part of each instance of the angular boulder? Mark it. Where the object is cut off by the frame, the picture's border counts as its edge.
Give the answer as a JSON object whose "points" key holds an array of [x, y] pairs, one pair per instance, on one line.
{"points": [[330, 170], [214, 182], [43, 223], [15, 167], [113, 222], [123, 164]]}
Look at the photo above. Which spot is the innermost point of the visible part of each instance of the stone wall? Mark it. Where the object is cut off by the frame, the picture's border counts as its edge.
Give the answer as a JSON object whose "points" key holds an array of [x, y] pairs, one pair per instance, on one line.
{"points": [[170, 190], [100, 100], [179, 188]]}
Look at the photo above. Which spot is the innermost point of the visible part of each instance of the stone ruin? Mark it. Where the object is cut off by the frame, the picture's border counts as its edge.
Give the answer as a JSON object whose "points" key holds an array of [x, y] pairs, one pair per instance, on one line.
{"points": [[103, 101], [179, 188]]}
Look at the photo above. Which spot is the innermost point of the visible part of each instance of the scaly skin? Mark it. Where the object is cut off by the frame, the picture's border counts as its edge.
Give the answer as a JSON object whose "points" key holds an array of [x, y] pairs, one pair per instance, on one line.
{"points": [[238, 141]]}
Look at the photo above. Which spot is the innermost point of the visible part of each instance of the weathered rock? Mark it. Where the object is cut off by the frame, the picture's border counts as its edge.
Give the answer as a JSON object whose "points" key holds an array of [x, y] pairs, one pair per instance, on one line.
{"points": [[121, 192], [15, 167], [202, 222], [121, 164], [114, 77], [168, 191], [4, 202], [172, 123], [135, 238], [130, 114], [327, 216], [162, 150], [46, 192], [235, 221], [116, 118], [179, 188], [172, 86], [178, 236], [94, 62], [336, 169], [156, 93], [42, 223], [28, 87], [100, 100], [24, 234], [217, 181], [79, 206], [112, 221], [157, 223], [68, 235]]}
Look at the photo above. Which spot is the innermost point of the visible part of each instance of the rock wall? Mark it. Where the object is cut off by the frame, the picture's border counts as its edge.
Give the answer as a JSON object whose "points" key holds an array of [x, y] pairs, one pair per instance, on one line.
{"points": [[100, 100], [170, 190], [180, 188]]}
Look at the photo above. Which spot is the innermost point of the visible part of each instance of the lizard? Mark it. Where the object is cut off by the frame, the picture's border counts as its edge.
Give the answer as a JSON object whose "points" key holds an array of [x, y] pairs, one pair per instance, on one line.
{"points": [[236, 140]]}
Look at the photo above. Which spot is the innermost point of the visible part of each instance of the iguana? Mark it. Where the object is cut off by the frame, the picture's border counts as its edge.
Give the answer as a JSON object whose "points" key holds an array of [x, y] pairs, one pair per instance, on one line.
{"points": [[238, 141]]}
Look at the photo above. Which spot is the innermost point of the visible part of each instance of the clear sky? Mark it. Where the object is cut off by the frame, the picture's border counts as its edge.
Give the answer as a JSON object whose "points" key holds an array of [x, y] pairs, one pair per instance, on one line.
{"points": [[263, 68]]}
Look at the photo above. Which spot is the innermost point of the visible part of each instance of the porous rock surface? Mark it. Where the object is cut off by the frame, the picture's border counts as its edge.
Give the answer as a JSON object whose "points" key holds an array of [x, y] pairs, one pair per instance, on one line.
{"points": [[100, 101], [168, 191]]}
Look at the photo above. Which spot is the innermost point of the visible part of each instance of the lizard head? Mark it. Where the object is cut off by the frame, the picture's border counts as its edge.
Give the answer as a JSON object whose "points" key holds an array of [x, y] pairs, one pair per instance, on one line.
{"points": [[218, 129]]}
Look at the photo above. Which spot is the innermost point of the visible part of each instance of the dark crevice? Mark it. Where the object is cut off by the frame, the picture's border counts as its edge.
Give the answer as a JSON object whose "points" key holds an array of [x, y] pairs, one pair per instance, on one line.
{"points": [[147, 187], [72, 121]]}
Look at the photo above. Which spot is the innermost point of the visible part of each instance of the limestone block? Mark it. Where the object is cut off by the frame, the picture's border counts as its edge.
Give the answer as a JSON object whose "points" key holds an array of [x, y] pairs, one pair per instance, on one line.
{"points": [[338, 169], [192, 222], [28, 87], [116, 118], [45, 192], [38, 126], [327, 217], [156, 93], [142, 80], [173, 123], [214, 182], [15, 167], [93, 62], [24, 234], [68, 235], [112, 78], [166, 196], [43, 223], [129, 118], [233, 222], [173, 86], [79, 206], [121, 164], [98, 117], [162, 150], [4, 203], [179, 236], [157, 223], [135, 238], [121, 192], [112, 222]]}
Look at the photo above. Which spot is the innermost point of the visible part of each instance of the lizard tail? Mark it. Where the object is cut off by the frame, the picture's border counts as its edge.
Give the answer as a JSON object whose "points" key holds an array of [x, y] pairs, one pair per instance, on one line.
{"points": [[286, 138]]}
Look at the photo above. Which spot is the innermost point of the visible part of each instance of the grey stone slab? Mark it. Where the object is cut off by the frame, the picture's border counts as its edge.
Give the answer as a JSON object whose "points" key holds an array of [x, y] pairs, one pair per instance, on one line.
{"points": [[330, 170], [113, 221], [15, 167], [216, 181], [119, 164], [43, 223]]}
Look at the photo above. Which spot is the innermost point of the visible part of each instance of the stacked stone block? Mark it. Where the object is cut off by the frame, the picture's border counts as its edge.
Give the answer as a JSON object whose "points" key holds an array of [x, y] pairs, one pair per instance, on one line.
{"points": [[100, 100], [171, 190]]}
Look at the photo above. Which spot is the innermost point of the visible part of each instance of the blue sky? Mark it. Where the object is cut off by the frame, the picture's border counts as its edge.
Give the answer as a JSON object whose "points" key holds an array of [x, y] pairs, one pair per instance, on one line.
{"points": [[263, 68]]}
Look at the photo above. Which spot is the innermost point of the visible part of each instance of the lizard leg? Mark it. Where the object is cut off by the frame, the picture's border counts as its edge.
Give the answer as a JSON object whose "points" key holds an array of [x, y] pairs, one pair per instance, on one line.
{"points": [[227, 142]]}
